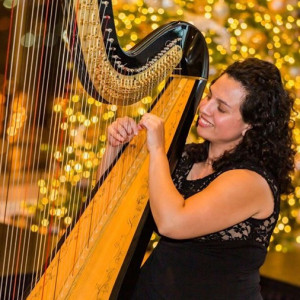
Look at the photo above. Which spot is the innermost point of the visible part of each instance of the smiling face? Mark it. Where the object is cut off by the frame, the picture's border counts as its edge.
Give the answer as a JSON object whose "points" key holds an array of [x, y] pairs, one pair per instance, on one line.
{"points": [[220, 120]]}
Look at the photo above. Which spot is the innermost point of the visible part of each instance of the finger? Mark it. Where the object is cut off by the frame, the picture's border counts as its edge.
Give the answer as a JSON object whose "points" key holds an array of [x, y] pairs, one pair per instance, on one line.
{"points": [[127, 126], [131, 126], [141, 126], [114, 132], [150, 121], [121, 129], [113, 142]]}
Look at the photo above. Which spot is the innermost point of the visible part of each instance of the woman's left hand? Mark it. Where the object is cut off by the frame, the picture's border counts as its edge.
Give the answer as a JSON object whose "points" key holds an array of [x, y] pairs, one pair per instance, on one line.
{"points": [[155, 132]]}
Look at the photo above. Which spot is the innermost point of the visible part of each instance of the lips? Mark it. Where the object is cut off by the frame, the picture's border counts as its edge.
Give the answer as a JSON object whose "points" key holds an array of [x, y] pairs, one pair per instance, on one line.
{"points": [[204, 123]]}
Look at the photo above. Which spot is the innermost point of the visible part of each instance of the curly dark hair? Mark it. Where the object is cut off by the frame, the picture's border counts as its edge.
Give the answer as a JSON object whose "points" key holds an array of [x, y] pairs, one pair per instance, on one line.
{"points": [[267, 108]]}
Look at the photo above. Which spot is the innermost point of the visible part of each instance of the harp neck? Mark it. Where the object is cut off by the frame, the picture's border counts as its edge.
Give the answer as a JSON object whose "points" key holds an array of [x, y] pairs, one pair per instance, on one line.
{"points": [[112, 75]]}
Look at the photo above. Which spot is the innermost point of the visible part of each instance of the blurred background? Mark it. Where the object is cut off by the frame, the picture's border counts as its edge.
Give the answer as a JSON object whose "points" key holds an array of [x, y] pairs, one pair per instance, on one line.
{"points": [[267, 29], [235, 30]]}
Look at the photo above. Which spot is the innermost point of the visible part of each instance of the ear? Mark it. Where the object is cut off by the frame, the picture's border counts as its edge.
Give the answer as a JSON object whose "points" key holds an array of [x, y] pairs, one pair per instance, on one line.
{"points": [[247, 127]]}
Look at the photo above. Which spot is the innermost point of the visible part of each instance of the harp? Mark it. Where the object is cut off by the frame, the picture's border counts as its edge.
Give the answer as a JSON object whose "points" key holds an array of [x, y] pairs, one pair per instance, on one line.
{"points": [[64, 79]]}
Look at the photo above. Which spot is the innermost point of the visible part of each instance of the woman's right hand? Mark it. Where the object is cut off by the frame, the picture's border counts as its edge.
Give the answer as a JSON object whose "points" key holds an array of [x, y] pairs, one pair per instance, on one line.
{"points": [[122, 131]]}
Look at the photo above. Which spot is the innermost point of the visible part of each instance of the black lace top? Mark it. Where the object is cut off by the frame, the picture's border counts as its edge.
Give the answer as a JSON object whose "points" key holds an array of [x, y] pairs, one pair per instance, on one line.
{"points": [[259, 230], [218, 266]]}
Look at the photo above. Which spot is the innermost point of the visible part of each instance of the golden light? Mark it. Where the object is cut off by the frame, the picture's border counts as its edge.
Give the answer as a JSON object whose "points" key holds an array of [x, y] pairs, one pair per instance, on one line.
{"points": [[78, 167], [87, 145], [90, 100], [87, 123], [44, 201], [43, 190], [55, 183], [68, 168], [141, 111], [64, 126], [73, 132], [237, 32], [34, 228], [86, 174], [72, 118], [85, 155], [285, 220], [57, 155], [68, 220], [291, 201], [69, 149], [80, 117], [88, 164], [75, 98], [53, 195], [45, 222], [62, 178], [94, 119], [41, 182]]}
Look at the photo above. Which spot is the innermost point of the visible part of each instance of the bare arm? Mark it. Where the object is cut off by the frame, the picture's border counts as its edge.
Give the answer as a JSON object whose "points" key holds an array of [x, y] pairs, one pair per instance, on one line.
{"points": [[119, 133], [109, 156], [231, 198]]}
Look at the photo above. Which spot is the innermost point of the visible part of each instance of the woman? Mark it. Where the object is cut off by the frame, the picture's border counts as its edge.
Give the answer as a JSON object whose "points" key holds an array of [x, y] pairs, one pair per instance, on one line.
{"points": [[216, 215]]}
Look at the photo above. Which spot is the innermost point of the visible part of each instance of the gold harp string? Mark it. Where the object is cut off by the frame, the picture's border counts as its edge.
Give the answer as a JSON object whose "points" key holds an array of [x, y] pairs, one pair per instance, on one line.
{"points": [[85, 111], [83, 232], [61, 138], [40, 130], [8, 250], [98, 214], [41, 245], [16, 251], [35, 68], [26, 148]]}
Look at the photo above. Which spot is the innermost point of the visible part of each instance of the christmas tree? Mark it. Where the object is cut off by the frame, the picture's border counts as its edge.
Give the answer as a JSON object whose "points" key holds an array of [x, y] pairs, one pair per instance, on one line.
{"points": [[235, 30]]}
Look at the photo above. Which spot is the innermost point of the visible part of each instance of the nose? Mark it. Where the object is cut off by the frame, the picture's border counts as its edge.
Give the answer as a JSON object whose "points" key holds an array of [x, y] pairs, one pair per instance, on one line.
{"points": [[206, 106]]}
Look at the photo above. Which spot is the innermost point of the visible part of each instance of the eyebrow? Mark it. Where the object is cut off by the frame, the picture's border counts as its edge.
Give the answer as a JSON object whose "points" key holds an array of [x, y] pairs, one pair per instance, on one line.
{"points": [[220, 100]]}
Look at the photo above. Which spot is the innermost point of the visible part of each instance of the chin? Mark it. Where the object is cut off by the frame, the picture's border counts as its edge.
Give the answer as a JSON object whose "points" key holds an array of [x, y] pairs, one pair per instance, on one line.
{"points": [[201, 132]]}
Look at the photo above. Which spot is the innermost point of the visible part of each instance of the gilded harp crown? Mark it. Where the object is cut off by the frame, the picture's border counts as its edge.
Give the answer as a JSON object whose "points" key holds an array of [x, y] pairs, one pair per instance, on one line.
{"points": [[114, 76]]}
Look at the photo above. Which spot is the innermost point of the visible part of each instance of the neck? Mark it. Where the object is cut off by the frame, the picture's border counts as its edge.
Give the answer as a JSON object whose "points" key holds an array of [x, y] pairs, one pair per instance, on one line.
{"points": [[215, 151]]}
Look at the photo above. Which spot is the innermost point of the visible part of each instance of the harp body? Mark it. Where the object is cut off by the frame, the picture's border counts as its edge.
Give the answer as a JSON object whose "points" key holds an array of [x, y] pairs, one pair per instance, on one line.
{"points": [[96, 256]]}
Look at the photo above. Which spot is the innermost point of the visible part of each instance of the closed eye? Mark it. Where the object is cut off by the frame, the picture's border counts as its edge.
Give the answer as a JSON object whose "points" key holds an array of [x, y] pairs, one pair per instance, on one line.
{"points": [[221, 110]]}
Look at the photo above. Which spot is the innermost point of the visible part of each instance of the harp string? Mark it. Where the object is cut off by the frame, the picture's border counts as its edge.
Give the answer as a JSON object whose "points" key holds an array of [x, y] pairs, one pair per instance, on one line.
{"points": [[40, 89], [40, 129], [41, 244], [14, 137], [61, 138], [106, 34], [30, 138], [59, 143], [35, 171], [13, 181], [7, 158], [86, 111]]}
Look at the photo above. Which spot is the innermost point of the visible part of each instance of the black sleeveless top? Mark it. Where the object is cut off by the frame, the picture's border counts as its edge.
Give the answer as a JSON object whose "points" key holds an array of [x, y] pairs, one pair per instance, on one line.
{"points": [[218, 266]]}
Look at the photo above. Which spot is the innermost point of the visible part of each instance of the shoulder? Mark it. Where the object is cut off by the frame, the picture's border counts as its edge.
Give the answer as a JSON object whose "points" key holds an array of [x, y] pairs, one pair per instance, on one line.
{"points": [[250, 170], [241, 178], [247, 186]]}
